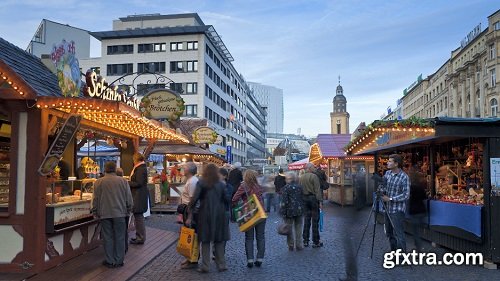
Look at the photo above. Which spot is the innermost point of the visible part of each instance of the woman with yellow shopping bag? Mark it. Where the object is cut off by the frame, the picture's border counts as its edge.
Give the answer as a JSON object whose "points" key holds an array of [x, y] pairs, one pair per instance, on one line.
{"points": [[212, 225], [246, 190]]}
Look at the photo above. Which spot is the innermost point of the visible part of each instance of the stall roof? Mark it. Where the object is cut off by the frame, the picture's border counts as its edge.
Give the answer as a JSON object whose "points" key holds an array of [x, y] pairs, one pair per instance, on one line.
{"points": [[388, 135], [113, 114], [165, 148], [27, 72], [333, 145]]}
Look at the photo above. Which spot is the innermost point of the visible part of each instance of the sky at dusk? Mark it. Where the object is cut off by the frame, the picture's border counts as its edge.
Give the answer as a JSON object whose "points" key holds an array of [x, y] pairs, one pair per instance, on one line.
{"points": [[301, 46]]}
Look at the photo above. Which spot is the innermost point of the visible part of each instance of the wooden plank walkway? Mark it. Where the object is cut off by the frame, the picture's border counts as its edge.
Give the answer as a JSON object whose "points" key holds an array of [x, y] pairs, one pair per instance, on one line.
{"points": [[88, 267]]}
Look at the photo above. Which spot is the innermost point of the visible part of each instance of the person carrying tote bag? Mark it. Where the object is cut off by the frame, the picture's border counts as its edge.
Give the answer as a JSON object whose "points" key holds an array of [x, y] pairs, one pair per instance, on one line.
{"points": [[251, 187]]}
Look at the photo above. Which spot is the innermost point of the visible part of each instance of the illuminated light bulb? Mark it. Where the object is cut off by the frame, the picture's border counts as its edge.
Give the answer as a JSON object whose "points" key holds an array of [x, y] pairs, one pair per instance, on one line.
{"points": [[4, 77], [38, 106], [15, 88], [21, 93], [46, 106], [10, 82]]}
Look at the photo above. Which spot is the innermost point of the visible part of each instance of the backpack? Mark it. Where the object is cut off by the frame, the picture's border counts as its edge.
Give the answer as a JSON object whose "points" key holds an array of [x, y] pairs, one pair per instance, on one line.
{"points": [[323, 184]]}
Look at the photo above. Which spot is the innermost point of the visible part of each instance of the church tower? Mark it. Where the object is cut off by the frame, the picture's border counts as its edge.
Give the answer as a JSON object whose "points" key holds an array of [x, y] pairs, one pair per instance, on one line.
{"points": [[339, 117]]}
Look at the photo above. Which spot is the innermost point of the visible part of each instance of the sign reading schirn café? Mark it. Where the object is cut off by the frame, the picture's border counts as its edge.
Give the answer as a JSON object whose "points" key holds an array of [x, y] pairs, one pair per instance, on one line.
{"points": [[98, 88]]}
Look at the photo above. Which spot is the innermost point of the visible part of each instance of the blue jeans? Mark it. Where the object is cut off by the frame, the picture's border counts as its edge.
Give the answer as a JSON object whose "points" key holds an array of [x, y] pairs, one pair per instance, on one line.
{"points": [[258, 231], [113, 234], [396, 234], [271, 201]]}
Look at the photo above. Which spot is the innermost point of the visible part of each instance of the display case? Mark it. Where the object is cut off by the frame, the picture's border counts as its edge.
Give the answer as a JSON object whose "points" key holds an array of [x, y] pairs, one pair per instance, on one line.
{"points": [[69, 203]]}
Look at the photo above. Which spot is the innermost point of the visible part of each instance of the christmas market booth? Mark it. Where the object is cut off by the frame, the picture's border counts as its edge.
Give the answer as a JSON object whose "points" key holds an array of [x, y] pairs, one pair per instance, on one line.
{"points": [[460, 160], [348, 175], [170, 157], [45, 122]]}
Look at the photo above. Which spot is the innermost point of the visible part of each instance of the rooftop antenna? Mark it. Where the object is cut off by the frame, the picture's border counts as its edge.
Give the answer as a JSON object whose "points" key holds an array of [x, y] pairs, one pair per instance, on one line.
{"points": [[339, 79]]}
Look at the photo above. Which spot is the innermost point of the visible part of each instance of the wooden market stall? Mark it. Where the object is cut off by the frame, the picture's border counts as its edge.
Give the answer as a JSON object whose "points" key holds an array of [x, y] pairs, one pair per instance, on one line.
{"points": [[348, 176], [460, 159], [173, 155], [43, 220]]}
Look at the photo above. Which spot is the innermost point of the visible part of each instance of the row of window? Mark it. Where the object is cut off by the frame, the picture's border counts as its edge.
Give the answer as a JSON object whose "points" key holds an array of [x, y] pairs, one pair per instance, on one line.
{"points": [[213, 96], [223, 86], [189, 88], [152, 67], [152, 47], [215, 117], [217, 61], [224, 69], [235, 143]]}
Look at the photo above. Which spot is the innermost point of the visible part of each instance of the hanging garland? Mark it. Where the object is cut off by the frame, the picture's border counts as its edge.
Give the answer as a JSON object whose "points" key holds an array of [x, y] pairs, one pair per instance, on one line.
{"points": [[410, 123]]}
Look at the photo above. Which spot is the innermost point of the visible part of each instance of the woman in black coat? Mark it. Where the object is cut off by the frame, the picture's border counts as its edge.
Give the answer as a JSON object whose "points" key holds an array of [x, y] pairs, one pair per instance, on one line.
{"points": [[213, 226], [139, 187]]}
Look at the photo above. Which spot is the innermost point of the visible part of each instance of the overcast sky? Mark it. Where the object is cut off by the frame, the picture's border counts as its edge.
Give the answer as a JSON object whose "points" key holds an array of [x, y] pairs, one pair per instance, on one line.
{"points": [[377, 47]]}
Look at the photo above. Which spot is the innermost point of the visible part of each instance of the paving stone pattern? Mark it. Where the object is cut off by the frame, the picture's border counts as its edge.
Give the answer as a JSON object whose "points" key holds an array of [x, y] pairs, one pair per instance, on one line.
{"points": [[342, 226]]}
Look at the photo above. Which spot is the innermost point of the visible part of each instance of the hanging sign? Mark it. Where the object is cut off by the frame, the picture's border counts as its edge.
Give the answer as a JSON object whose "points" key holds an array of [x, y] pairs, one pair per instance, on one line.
{"points": [[204, 135], [98, 88], [67, 67], [162, 104], [58, 146]]}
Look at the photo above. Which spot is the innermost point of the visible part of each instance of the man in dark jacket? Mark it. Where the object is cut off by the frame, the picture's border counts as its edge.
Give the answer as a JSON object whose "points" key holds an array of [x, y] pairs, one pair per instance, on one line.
{"points": [[112, 203], [139, 186]]}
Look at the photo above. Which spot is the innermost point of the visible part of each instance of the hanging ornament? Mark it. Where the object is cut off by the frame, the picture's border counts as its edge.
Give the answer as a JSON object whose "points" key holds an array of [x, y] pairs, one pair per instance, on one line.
{"points": [[89, 134], [124, 144], [109, 141]]}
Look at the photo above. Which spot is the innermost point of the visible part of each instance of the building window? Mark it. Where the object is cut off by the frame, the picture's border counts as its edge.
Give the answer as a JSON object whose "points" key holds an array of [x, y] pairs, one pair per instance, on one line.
{"points": [[120, 49], [176, 66], [151, 67], [193, 45], [152, 48], [493, 53], [497, 25], [176, 87], [192, 88], [493, 78], [494, 107], [143, 89], [192, 66], [191, 110], [119, 69], [176, 46]]}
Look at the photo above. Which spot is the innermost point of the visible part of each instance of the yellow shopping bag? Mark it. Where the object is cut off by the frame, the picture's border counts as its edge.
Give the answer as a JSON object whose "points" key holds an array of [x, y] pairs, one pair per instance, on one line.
{"points": [[187, 245], [249, 213]]}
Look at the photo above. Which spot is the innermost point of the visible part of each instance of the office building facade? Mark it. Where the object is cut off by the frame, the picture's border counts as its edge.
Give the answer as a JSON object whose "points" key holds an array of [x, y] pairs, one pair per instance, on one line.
{"points": [[195, 59], [271, 98]]}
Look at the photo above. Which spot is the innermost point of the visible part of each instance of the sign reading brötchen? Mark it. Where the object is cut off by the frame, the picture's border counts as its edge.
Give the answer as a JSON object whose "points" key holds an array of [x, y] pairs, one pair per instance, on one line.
{"points": [[162, 104], [204, 135]]}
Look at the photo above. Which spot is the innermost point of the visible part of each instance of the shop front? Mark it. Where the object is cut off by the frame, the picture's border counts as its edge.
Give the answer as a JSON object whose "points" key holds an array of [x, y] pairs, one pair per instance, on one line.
{"points": [[348, 176], [45, 216], [459, 158]]}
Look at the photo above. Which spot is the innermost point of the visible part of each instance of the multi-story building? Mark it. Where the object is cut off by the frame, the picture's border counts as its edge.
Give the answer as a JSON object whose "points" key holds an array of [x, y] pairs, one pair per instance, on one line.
{"points": [[192, 55], [299, 142], [271, 98], [255, 128], [50, 34], [466, 84]]}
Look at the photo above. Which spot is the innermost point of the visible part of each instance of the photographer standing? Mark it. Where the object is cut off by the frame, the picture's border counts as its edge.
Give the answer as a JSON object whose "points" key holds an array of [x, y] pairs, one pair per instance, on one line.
{"points": [[396, 193]]}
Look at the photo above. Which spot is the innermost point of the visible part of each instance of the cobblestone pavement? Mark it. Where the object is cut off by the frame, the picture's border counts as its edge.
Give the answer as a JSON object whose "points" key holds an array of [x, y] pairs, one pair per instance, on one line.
{"points": [[342, 232]]}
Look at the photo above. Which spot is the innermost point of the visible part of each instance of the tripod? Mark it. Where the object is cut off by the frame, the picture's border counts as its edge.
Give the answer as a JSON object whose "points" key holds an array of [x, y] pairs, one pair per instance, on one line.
{"points": [[377, 204]]}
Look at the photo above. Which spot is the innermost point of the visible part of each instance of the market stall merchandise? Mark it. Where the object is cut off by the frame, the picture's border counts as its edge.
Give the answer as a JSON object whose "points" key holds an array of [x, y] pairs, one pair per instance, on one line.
{"points": [[459, 159]]}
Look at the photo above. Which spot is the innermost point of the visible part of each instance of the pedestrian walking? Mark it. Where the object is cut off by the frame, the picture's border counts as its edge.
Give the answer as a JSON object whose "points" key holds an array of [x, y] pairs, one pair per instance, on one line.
{"points": [[250, 186], [417, 207], [212, 224], [190, 217], [279, 183], [139, 186], [112, 203], [235, 176], [269, 193], [396, 193], [312, 204], [292, 209]]}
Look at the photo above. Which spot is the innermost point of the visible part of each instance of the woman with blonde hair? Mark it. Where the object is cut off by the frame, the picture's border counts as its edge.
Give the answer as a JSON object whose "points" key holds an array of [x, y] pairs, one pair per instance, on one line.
{"points": [[248, 187]]}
